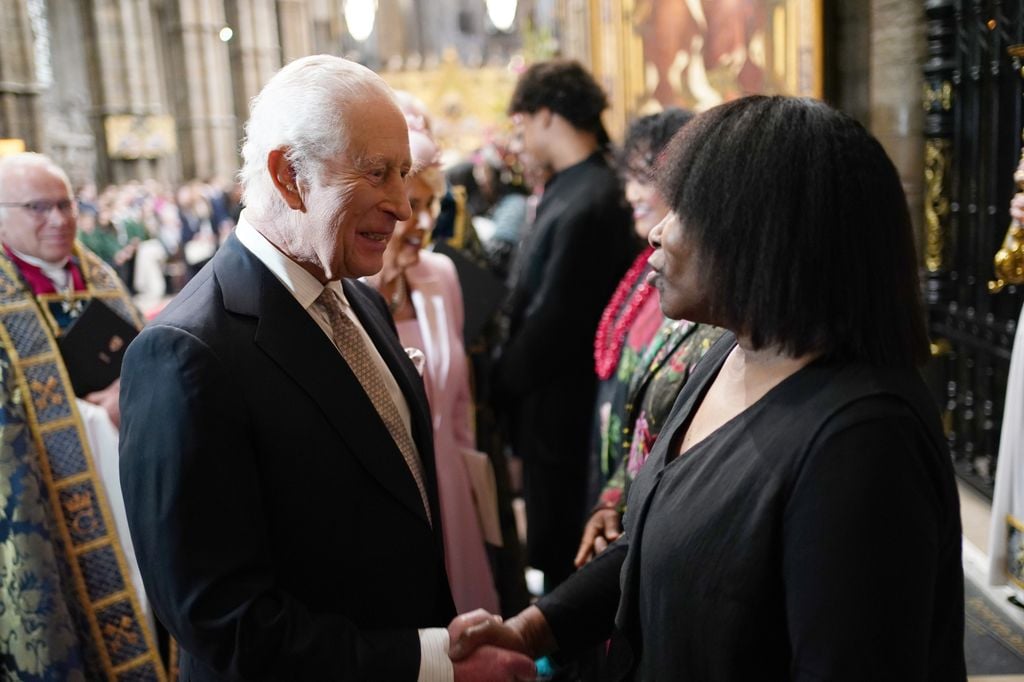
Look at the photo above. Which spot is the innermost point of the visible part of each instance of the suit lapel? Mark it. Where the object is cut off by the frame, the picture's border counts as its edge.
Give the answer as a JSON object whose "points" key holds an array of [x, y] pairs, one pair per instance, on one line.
{"points": [[287, 334]]}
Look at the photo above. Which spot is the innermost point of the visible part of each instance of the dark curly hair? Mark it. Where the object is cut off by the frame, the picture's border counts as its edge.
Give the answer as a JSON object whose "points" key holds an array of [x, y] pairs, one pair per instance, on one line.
{"points": [[567, 89], [646, 139], [801, 226]]}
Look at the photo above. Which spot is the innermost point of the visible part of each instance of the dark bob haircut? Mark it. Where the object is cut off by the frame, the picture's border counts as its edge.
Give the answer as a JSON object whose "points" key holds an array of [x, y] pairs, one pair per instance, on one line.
{"points": [[567, 89], [801, 228], [646, 138]]}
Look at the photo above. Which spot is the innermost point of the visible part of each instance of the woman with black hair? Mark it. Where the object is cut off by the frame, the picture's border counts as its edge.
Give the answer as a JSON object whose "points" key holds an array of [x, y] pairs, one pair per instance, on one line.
{"points": [[641, 358], [798, 518]]}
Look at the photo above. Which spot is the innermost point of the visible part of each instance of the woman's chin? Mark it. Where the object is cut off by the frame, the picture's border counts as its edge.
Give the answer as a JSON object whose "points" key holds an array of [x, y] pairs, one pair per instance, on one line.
{"points": [[409, 259]]}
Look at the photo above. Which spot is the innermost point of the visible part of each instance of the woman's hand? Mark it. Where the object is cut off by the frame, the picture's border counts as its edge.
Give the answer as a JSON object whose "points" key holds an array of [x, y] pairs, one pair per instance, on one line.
{"points": [[527, 633], [603, 528]]}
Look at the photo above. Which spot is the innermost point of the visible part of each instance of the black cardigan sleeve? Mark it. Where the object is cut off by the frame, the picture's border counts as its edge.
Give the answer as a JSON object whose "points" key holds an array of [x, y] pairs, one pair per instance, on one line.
{"points": [[581, 611]]}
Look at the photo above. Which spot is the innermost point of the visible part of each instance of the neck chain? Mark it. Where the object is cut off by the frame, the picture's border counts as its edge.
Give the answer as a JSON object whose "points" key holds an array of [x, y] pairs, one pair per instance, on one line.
{"points": [[619, 315], [70, 306], [399, 295]]}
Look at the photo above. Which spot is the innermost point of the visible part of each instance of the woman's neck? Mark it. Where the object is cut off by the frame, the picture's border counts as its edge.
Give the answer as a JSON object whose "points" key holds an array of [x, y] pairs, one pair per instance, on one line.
{"points": [[759, 370]]}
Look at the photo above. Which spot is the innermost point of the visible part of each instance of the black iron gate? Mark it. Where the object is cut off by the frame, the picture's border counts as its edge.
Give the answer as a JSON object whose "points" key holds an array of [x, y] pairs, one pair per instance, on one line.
{"points": [[973, 128]]}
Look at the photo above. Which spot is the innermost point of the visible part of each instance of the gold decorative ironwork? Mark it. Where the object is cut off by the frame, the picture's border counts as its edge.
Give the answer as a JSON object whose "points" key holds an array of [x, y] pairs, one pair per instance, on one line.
{"points": [[942, 94], [1009, 259], [936, 204], [941, 348]]}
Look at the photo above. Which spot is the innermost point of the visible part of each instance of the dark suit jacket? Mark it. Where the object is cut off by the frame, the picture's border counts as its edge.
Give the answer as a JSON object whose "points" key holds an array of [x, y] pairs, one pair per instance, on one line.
{"points": [[279, 531]]}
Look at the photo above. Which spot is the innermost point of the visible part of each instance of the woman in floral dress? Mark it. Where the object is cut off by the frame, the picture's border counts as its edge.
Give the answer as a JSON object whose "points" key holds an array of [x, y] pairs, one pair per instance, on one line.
{"points": [[641, 357]]}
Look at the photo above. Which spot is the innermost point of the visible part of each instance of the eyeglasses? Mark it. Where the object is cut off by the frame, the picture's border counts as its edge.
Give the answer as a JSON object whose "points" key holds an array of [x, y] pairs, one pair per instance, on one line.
{"points": [[42, 207]]}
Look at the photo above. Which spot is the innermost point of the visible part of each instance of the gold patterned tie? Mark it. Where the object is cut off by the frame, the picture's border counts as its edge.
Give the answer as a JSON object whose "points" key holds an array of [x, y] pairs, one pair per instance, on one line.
{"points": [[353, 349]]}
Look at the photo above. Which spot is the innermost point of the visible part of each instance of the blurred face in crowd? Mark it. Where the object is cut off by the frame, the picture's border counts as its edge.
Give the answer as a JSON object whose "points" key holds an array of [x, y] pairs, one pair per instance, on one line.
{"points": [[354, 204], [648, 207], [44, 227], [674, 271], [404, 248], [530, 130]]}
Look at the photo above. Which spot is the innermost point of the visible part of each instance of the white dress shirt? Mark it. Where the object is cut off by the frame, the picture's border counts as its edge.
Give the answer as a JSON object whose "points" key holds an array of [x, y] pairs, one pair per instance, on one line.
{"points": [[435, 666]]}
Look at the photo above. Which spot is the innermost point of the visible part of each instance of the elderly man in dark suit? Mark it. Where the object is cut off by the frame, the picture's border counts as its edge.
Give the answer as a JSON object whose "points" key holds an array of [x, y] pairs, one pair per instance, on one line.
{"points": [[276, 451]]}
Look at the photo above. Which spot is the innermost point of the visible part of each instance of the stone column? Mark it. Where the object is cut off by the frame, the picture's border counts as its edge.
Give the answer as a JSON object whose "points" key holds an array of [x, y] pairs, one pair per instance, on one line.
{"points": [[254, 51], [201, 82], [575, 24], [896, 113], [67, 104], [125, 80], [296, 29], [19, 91]]}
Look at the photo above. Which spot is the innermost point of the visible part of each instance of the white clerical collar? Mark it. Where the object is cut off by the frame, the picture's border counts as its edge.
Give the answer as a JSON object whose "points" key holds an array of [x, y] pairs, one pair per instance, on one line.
{"points": [[55, 272], [300, 283]]}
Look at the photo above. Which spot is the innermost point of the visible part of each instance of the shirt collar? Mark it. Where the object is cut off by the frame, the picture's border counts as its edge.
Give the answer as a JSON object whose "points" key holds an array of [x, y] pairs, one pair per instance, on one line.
{"points": [[300, 283], [44, 265]]}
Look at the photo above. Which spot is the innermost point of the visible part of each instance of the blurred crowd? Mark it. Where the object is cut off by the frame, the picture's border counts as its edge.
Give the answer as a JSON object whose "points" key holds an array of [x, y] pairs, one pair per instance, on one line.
{"points": [[157, 237]]}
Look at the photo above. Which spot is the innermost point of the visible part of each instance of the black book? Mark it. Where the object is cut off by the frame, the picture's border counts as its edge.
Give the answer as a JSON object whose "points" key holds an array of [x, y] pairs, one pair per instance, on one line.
{"points": [[93, 347]]}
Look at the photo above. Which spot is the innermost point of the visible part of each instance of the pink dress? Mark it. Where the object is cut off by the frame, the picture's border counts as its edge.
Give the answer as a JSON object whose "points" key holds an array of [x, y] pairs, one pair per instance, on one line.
{"points": [[437, 331]]}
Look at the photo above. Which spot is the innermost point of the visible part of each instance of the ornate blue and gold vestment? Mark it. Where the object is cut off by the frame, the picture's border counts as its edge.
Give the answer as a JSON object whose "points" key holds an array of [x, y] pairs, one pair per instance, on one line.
{"points": [[68, 610]]}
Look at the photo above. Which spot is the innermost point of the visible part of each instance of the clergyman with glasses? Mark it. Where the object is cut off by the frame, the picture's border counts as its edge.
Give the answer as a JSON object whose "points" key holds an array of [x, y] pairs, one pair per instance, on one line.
{"points": [[72, 605]]}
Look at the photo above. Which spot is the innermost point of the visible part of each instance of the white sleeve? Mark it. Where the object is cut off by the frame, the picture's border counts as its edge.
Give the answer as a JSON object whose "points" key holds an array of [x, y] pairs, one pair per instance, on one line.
{"points": [[435, 666]]}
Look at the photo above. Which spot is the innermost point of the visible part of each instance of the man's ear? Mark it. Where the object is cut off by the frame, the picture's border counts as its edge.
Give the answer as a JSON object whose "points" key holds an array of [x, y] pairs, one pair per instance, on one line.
{"points": [[283, 176], [545, 116]]}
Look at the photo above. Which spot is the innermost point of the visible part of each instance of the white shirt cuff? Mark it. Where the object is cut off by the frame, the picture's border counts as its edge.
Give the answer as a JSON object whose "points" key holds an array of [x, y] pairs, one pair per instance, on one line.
{"points": [[435, 666]]}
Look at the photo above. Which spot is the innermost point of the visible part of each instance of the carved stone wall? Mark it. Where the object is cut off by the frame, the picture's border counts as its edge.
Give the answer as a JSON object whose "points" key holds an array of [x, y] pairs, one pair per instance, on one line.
{"points": [[295, 29], [19, 90], [67, 104], [896, 114], [848, 49], [254, 51], [124, 80], [200, 80]]}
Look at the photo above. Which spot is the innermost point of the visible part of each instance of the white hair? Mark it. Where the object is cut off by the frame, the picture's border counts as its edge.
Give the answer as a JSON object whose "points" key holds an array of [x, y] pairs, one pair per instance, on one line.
{"points": [[17, 164], [302, 111]]}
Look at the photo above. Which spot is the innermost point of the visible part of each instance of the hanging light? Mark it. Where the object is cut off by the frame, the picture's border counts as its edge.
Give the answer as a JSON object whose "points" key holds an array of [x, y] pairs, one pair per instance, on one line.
{"points": [[359, 16], [502, 13]]}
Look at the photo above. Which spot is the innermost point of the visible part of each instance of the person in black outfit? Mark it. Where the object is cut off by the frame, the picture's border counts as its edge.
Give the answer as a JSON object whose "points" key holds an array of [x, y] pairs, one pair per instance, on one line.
{"points": [[798, 519], [580, 245]]}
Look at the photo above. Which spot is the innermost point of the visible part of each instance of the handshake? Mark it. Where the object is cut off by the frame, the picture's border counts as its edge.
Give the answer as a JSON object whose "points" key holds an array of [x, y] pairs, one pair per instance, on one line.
{"points": [[483, 647]]}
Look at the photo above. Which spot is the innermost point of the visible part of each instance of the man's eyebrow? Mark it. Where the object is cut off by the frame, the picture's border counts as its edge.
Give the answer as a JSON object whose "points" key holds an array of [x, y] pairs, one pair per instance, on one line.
{"points": [[367, 161]]}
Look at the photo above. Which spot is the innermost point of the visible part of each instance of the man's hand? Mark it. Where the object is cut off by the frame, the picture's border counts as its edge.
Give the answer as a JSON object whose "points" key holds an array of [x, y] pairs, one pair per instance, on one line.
{"points": [[108, 399], [473, 656], [491, 664], [480, 633], [603, 528], [476, 628]]}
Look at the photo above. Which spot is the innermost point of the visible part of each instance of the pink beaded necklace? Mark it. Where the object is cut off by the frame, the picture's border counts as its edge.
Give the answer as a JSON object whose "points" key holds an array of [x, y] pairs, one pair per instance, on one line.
{"points": [[613, 328]]}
